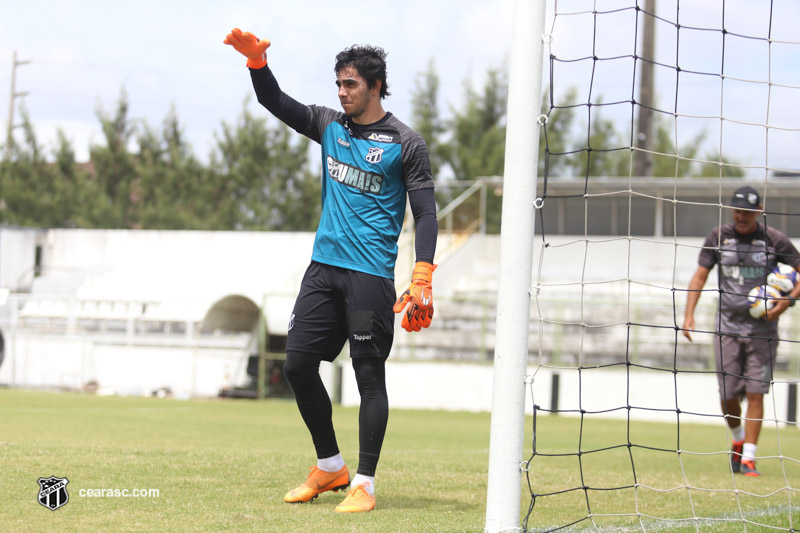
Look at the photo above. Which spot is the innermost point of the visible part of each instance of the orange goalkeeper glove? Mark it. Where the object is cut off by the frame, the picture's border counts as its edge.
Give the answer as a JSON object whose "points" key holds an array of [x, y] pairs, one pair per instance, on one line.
{"points": [[419, 298], [250, 46]]}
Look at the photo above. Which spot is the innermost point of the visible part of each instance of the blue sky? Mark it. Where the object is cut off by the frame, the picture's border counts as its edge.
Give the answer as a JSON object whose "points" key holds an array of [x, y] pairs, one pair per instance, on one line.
{"points": [[168, 53], [742, 77]]}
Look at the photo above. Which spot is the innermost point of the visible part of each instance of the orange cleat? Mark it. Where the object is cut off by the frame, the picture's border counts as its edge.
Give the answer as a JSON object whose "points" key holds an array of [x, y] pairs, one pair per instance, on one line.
{"points": [[318, 482], [358, 500], [736, 455], [749, 468]]}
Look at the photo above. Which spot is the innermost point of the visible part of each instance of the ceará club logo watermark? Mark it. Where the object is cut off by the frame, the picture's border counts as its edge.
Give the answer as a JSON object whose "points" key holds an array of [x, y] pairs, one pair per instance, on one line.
{"points": [[53, 492]]}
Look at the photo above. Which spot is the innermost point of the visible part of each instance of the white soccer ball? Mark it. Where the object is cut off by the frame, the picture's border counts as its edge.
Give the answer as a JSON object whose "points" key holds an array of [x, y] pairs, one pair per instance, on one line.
{"points": [[761, 299], [783, 277]]}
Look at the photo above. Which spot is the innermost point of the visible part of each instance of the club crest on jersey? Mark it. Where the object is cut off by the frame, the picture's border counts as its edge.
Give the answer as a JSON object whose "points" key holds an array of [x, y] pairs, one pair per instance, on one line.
{"points": [[356, 178], [380, 138], [374, 155]]}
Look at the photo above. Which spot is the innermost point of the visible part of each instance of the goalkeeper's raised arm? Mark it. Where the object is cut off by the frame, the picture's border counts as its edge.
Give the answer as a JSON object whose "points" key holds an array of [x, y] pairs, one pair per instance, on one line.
{"points": [[268, 92]]}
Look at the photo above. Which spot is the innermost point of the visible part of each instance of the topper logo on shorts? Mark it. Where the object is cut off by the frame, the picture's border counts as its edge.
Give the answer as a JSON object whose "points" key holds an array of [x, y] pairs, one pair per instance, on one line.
{"points": [[367, 337], [355, 177]]}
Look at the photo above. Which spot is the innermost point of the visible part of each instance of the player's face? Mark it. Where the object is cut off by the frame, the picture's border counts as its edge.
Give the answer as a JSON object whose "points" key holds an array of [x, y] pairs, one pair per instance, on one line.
{"points": [[745, 221], [355, 95]]}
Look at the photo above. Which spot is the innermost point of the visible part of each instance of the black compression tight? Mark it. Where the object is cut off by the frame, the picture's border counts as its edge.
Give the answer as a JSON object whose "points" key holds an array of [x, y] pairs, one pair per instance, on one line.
{"points": [[302, 371], [374, 412]]}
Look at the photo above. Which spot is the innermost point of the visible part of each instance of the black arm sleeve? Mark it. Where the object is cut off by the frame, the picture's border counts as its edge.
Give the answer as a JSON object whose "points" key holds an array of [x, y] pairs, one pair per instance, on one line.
{"points": [[423, 206], [284, 107]]}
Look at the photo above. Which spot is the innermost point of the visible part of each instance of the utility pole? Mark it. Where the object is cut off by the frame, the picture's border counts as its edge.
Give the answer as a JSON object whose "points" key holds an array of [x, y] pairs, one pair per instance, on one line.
{"points": [[643, 158], [13, 95]]}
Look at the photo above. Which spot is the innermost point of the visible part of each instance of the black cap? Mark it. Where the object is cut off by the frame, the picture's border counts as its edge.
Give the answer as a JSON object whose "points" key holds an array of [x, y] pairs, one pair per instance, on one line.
{"points": [[746, 198]]}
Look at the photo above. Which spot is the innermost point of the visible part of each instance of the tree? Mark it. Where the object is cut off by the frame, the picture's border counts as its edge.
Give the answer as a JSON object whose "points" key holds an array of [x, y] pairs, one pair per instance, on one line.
{"points": [[477, 133], [259, 176], [425, 117], [115, 166], [670, 165], [725, 168], [554, 159], [688, 164], [594, 149], [36, 192], [262, 177], [605, 151], [476, 144], [172, 188], [77, 194]]}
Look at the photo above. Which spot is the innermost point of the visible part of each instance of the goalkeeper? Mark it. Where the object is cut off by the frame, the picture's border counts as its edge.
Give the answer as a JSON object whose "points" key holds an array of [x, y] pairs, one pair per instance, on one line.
{"points": [[372, 164], [746, 252]]}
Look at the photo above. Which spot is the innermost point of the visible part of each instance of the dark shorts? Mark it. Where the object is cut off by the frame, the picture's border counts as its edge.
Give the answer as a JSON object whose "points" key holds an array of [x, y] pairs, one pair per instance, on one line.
{"points": [[748, 363], [337, 304]]}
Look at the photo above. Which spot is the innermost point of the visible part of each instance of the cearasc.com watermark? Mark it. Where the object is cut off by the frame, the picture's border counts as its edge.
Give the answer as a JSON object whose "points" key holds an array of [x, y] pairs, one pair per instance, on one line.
{"points": [[119, 493]]}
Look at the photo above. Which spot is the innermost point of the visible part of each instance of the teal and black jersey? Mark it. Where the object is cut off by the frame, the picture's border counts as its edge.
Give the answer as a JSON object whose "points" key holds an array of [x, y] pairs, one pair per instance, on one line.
{"points": [[367, 172]]}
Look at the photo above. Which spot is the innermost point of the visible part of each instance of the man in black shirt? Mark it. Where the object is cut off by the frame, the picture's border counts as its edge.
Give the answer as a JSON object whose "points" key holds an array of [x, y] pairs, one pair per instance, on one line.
{"points": [[746, 252]]}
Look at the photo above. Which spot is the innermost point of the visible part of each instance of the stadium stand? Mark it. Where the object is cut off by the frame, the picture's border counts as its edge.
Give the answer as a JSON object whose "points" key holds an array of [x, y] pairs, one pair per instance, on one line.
{"points": [[222, 297]]}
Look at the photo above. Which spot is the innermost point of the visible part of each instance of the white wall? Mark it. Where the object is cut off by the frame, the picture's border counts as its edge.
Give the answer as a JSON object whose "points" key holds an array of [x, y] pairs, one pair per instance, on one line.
{"points": [[180, 265], [37, 361], [17, 256], [467, 387], [72, 362], [177, 265]]}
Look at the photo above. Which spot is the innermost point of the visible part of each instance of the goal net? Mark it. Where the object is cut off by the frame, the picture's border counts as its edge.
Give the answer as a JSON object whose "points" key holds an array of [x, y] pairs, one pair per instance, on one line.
{"points": [[655, 112]]}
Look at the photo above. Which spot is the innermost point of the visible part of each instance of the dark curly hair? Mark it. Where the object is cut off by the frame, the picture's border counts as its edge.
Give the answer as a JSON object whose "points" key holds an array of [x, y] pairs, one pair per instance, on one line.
{"points": [[369, 61]]}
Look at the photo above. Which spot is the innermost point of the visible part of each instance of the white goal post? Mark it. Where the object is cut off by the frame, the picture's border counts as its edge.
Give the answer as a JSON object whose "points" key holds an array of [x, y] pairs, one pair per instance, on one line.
{"points": [[620, 242], [516, 263]]}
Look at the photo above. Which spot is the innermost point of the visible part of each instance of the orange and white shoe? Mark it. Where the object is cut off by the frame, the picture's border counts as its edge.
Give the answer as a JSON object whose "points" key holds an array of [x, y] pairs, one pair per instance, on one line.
{"points": [[318, 482], [358, 500], [748, 468]]}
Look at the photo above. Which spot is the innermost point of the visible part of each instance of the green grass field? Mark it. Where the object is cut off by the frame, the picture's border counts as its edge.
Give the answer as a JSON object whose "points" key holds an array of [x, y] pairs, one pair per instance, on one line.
{"points": [[653, 478], [225, 465]]}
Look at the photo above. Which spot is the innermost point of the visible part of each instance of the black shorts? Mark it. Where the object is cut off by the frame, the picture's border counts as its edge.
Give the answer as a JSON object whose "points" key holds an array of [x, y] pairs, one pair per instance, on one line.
{"points": [[337, 304]]}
